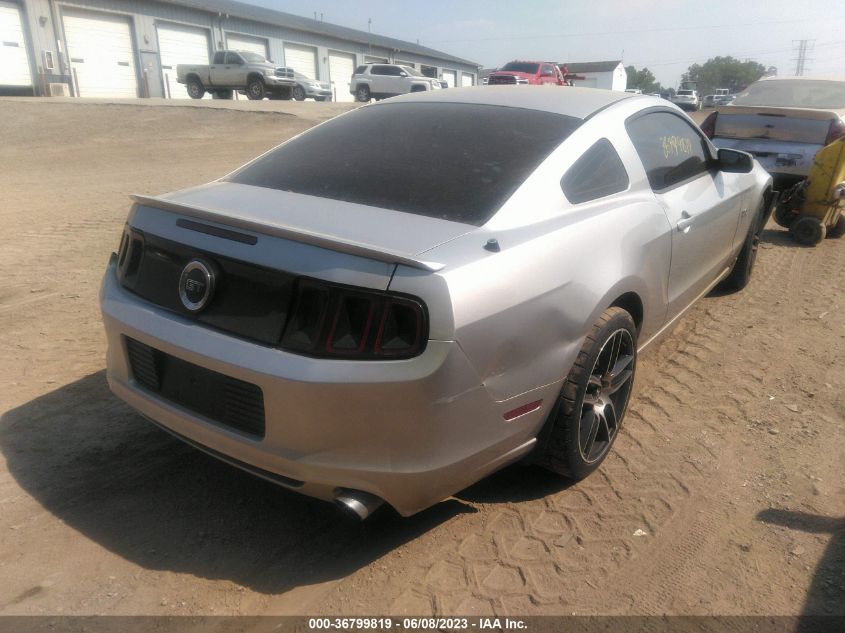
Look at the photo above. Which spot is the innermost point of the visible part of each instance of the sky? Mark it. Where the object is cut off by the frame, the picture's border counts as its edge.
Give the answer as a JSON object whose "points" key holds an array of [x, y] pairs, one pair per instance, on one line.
{"points": [[667, 36]]}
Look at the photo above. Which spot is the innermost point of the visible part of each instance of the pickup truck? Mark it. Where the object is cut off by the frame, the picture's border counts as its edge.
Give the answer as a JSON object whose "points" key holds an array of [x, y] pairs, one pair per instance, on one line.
{"points": [[237, 70], [527, 73]]}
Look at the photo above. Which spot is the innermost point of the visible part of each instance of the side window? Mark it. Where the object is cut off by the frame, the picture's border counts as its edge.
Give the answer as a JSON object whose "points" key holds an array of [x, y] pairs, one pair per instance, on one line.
{"points": [[233, 58], [393, 71], [669, 147], [219, 57], [598, 173], [360, 70], [378, 70], [547, 70]]}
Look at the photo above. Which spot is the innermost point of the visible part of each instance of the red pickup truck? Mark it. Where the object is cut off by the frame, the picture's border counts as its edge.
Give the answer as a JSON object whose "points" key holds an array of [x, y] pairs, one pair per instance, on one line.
{"points": [[527, 73]]}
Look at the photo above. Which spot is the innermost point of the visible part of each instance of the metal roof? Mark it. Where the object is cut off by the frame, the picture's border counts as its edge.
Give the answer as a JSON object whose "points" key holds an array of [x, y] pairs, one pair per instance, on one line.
{"points": [[592, 67], [574, 102], [278, 18]]}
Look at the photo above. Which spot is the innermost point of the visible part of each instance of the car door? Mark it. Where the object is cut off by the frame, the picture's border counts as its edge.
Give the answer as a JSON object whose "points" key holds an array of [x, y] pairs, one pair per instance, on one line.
{"points": [[547, 74], [233, 70], [380, 79], [702, 204]]}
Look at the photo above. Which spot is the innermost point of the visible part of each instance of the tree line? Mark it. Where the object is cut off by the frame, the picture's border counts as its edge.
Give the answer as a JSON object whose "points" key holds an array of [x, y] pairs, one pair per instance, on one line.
{"points": [[717, 72]]}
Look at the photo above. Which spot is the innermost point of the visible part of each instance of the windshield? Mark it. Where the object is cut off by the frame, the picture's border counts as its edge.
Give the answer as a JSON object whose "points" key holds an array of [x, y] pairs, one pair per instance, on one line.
{"points": [[794, 93], [413, 72], [453, 161], [521, 67], [253, 58], [302, 77], [685, 93]]}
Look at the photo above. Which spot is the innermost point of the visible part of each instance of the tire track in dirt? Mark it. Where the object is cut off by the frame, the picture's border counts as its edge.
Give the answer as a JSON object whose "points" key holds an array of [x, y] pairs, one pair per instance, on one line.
{"points": [[667, 455]]}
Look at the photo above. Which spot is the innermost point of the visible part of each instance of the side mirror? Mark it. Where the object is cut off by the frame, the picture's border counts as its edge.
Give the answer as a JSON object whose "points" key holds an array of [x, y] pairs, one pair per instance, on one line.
{"points": [[839, 191], [403, 74], [734, 161]]}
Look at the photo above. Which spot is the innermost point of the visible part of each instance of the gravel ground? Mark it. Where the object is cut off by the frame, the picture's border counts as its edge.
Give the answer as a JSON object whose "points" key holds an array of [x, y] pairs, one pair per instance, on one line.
{"points": [[724, 494]]}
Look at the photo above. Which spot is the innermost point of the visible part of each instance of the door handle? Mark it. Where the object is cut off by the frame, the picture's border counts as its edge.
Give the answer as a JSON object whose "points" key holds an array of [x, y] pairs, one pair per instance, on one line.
{"points": [[685, 223]]}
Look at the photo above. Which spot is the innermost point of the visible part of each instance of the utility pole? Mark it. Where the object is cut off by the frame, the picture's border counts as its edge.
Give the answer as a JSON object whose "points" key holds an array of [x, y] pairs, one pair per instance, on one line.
{"points": [[803, 47]]}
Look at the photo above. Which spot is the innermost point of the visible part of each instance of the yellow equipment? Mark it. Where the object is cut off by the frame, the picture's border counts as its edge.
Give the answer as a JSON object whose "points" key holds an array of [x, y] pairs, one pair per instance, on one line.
{"points": [[813, 208]]}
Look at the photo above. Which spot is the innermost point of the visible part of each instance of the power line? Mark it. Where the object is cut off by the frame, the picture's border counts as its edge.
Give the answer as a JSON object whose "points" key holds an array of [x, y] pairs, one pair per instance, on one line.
{"points": [[631, 31]]}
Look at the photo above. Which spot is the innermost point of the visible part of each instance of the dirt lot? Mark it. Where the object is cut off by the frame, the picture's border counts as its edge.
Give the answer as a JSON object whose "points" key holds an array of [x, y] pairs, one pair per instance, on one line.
{"points": [[724, 494]]}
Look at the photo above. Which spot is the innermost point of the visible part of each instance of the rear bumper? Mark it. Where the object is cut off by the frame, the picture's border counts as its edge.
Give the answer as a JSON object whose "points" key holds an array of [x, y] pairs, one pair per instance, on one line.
{"points": [[779, 158], [410, 432]]}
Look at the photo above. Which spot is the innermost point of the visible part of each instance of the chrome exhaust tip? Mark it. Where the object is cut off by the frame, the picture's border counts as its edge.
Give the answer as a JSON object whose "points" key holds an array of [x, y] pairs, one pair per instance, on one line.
{"points": [[357, 504]]}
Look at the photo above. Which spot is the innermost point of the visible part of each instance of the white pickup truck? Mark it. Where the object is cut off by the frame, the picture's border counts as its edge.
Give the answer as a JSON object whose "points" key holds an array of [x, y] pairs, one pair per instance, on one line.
{"points": [[237, 70]]}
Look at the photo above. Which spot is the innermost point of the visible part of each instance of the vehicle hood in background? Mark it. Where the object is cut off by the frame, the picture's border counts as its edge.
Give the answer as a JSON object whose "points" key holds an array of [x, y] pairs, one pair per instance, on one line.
{"points": [[380, 234]]}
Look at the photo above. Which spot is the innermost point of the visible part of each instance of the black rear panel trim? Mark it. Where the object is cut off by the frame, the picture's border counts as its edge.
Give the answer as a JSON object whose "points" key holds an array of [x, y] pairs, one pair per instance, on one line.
{"points": [[217, 231]]}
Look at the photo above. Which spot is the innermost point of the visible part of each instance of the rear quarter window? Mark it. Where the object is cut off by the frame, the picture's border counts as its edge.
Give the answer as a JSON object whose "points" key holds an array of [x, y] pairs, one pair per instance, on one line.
{"points": [[454, 161], [599, 172]]}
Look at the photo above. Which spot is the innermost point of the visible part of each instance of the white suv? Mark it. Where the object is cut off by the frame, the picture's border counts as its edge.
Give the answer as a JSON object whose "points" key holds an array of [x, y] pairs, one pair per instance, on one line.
{"points": [[687, 100], [378, 81]]}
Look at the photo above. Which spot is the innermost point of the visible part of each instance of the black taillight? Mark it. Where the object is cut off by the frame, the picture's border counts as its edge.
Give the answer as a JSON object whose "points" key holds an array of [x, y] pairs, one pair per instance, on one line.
{"points": [[332, 321], [708, 126]]}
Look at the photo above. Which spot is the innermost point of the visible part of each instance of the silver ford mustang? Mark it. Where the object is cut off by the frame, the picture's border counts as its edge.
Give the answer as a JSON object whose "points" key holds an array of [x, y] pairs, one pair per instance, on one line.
{"points": [[414, 294]]}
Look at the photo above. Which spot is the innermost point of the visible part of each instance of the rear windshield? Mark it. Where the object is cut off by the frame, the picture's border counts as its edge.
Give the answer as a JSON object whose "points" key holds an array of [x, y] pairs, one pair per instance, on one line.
{"points": [[794, 93], [453, 161], [521, 67], [685, 93]]}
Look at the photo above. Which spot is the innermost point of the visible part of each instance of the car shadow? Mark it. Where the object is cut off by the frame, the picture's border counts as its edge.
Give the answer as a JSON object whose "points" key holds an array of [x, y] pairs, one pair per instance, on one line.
{"points": [[514, 484], [826, 595], [132, 488]]}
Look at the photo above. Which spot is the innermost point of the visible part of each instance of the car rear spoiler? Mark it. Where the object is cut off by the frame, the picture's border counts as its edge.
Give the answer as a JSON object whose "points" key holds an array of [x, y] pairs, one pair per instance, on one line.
{"points": [[294, 234]]}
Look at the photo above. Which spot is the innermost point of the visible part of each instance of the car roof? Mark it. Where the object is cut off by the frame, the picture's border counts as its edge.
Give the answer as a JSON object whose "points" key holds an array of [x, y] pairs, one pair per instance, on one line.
{"points": [[568, 101]]}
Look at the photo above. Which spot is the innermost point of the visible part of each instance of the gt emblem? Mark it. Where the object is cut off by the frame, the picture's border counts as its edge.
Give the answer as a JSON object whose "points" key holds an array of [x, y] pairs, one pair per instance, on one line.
{"points": [[196, 285]]}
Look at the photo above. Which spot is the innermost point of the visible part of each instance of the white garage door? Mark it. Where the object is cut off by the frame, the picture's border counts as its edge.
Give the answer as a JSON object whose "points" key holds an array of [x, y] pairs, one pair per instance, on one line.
{"points": [[180, 45], [100, 51], [449, 77], [14, 60], [303, 59], [256, 45], [341, 68], [466, 80]]}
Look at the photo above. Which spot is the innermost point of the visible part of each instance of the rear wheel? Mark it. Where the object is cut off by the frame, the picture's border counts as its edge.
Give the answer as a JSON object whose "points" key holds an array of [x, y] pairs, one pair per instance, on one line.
{"points": [[362, 94], [195, 89], [256, 90], [808, 231], [591, 406]]}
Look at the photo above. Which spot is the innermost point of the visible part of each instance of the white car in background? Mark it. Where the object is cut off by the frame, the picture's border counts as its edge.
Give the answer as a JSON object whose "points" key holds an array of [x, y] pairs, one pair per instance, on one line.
{"points": [[782, 122], [686, 100], [379, 81]]}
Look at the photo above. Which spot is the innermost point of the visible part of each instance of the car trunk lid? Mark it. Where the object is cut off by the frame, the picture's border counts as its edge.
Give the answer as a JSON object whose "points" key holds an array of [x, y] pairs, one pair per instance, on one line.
{"points": [[776, 124], [380, 234]]}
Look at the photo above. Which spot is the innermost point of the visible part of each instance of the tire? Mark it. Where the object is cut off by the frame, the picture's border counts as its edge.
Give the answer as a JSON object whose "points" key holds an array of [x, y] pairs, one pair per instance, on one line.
{"points": [[298, 93], [223, 94], [256, 90], [740, 274], [362, 94], [838, 229], [589, 411], [784, 216], [195, 89], [808, 231]]}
